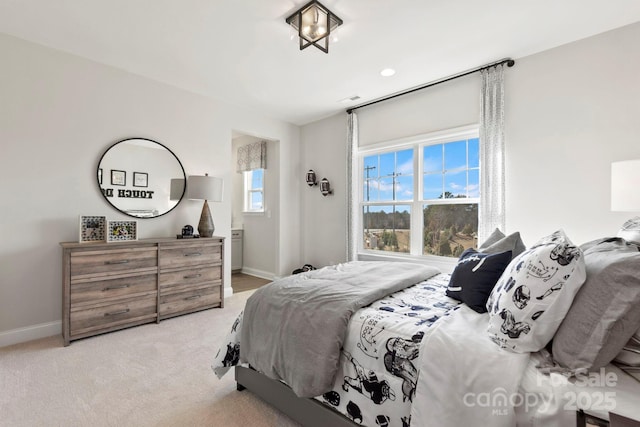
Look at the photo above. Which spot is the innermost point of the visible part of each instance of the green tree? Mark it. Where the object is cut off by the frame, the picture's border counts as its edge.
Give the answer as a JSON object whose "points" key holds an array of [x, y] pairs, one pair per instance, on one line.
{"points": [[457, 251], [444, 247]]}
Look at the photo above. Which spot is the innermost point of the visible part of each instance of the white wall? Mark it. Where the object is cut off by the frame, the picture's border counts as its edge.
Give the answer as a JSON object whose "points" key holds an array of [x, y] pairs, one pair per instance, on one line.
{"points": [[447, 105], [324, 220], [58, 113], [569, 113]]}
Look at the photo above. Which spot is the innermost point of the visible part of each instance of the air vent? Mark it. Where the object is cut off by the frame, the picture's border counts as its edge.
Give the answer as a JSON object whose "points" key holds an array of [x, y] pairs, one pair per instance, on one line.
{"points": [[350, 98]]}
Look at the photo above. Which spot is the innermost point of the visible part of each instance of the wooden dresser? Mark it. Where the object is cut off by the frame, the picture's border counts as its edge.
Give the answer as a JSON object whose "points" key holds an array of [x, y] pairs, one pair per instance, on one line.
{"points": [[110, 286]]}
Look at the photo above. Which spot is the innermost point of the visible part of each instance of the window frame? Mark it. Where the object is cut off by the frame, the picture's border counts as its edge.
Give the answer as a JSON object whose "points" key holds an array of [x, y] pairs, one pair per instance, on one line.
{"points": [[248, 191], [417, 143]]}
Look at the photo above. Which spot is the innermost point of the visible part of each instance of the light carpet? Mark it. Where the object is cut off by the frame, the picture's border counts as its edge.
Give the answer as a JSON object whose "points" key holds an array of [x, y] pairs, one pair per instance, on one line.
{"points": [[150, 375]]}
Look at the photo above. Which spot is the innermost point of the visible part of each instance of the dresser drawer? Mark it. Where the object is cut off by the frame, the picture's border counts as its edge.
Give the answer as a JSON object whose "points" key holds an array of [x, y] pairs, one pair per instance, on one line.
{"points": [[119, 286], [113, 315], [86, 263], [173, 281], [108, 286], [187, 255], [189, 301]]}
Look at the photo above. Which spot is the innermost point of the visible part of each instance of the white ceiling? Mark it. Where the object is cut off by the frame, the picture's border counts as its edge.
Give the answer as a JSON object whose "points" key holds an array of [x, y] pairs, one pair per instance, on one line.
{"points": [[239, 51]]}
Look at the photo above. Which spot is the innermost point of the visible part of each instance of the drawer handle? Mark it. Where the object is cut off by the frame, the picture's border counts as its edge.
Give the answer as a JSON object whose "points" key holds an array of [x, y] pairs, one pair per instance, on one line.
{"points": [[193, 254], [111, 288], [192, 276], [192, 297], [124, 261], [115, 313]]}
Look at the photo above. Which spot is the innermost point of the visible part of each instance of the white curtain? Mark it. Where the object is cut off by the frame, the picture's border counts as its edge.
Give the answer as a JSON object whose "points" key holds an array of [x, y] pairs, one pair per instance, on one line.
{"points": [[352, 191], [492, 152], [252, 156]]}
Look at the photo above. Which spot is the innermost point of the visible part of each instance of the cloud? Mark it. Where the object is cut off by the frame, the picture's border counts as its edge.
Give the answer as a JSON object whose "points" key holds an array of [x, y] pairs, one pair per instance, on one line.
{"points": [[406, 168]]}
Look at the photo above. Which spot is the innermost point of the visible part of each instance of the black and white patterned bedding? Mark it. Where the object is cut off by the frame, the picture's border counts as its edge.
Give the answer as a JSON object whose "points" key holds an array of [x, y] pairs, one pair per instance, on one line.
{"points": [[376, 380]]}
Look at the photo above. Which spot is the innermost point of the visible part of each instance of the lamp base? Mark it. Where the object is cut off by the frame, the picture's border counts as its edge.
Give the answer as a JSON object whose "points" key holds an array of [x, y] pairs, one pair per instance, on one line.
{"points": [[205, 226]]}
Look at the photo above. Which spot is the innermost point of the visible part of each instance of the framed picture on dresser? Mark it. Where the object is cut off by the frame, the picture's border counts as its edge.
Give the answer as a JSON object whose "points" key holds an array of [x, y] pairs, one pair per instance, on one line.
{"points": [[92, 228], [120, 231]]}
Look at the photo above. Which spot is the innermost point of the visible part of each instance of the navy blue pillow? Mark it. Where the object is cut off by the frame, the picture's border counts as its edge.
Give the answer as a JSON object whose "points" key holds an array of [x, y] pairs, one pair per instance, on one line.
{"points": [[475, 276]]}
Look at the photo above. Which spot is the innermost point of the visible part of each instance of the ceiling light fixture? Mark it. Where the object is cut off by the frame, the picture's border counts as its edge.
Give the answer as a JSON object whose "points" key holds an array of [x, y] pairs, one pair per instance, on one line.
{"points": [[314, 24], [387, 72]]}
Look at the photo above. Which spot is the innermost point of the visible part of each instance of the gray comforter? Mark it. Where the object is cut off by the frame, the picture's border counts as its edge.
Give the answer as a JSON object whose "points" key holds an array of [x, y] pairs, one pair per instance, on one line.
{"points": [[294, 328]]}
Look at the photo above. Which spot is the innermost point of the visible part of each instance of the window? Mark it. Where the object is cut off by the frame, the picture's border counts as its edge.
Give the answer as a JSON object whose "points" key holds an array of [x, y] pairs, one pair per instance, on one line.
{"points": [[254, 190], [437, 178], [388, 182], [450, 196]]}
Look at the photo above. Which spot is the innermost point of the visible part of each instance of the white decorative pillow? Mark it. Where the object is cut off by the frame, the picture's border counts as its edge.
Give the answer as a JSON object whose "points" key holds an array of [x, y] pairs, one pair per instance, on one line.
{"points": [[630, 230], [534, 294]]}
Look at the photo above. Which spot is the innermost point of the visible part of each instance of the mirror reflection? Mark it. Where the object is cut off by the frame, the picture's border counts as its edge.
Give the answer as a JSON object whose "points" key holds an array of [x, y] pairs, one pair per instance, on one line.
{"points": [[141, 178]]}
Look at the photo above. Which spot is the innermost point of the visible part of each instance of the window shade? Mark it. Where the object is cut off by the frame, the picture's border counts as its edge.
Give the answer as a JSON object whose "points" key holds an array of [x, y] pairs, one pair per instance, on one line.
{"points": [[252, 156]]}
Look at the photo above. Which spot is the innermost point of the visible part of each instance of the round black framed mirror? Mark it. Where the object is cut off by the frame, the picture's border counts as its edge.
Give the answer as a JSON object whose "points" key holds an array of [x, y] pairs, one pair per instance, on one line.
{"points": [[141, 178]]}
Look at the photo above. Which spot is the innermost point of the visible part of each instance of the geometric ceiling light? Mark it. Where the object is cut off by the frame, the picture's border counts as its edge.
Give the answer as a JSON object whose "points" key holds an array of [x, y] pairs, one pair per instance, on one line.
{"points": [[314, 24]]}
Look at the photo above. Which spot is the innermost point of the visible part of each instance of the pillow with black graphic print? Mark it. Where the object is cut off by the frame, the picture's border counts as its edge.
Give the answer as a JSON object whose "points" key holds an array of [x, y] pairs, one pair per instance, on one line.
{"points": [[475, 276], [534, 294], [630, 230]]}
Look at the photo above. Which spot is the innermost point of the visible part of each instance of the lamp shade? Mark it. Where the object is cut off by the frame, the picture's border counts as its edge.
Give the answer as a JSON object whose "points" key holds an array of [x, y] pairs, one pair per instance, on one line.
{"points": [[176, 190], [205, 188], [625, 186]]}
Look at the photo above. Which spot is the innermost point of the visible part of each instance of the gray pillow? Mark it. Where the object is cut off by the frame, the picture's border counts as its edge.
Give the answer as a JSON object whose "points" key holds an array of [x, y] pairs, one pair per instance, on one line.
{"points": [[605, 313], [496, 244], [494, 237]]}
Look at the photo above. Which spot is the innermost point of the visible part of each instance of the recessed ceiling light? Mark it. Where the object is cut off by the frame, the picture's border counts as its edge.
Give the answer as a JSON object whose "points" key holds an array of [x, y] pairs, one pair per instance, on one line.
{"points": [[387, 72]]}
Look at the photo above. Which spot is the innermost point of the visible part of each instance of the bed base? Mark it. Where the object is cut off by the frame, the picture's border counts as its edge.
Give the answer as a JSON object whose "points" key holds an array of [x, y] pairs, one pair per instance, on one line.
{"points": [[308, 412]]}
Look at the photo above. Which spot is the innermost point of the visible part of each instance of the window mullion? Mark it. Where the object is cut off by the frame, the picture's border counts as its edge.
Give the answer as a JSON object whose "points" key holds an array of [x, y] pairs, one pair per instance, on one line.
{"points": [[416, 206]]}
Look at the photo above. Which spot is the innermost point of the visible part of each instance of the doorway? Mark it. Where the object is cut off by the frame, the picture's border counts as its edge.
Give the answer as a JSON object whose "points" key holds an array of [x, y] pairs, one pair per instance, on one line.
{"points": [[254, 231]]}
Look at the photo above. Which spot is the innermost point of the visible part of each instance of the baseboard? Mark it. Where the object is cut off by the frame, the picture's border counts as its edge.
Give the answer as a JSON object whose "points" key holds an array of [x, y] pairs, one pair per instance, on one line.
{"points": [[228, 291], [29, 333], [258, 273], [43, 330]]}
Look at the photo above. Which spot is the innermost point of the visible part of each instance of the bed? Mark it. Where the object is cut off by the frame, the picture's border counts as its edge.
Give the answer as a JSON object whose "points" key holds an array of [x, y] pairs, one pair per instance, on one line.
{"points": [[405, 344]]}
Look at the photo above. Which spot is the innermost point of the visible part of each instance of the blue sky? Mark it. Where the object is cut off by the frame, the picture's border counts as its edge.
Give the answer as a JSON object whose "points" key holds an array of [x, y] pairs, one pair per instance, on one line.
{"points": [[451, 167]]}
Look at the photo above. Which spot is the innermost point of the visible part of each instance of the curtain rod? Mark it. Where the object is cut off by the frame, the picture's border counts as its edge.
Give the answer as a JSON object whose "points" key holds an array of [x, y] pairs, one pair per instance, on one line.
{"points": [[510, 63]]}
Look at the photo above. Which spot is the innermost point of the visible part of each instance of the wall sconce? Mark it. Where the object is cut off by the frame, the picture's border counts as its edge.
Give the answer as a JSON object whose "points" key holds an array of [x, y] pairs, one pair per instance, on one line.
{"points": [[314, 24], [311, 178], [325, 187]]}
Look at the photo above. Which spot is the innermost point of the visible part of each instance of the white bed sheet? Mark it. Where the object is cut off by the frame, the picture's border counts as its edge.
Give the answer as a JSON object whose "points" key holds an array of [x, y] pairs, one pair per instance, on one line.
{"points": [[466, 379]]}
